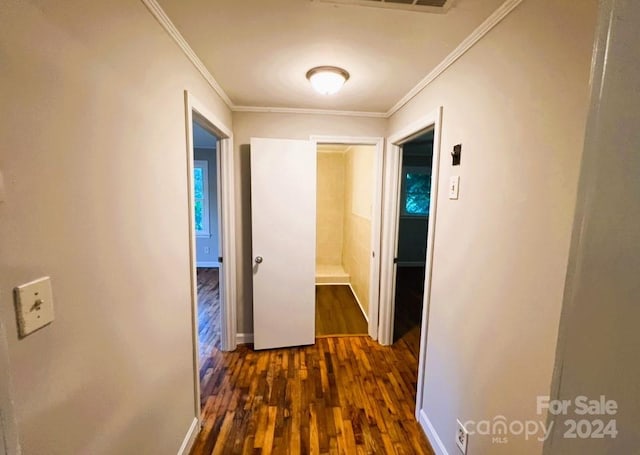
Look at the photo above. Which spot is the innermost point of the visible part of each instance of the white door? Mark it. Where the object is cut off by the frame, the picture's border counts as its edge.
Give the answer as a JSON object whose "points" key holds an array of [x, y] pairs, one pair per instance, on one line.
{"points": [[283, 210]]}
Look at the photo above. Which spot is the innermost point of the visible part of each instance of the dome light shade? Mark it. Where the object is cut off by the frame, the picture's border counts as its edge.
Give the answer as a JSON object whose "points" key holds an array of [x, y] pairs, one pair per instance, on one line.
{"points": [[327, 80]]}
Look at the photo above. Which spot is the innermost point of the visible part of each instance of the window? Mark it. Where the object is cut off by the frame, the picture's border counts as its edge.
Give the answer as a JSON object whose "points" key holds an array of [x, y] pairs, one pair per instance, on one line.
{"points": [[201, 197], [416, 191]]}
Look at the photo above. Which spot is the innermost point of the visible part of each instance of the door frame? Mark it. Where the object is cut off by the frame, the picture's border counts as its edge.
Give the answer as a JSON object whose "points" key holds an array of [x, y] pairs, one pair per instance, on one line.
{"points": [[194, 109], [392, 181], [376, 219]]}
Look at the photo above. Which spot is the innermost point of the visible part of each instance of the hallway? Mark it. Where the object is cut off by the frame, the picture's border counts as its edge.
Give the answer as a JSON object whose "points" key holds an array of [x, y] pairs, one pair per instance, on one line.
{"points": [[341, 395]]}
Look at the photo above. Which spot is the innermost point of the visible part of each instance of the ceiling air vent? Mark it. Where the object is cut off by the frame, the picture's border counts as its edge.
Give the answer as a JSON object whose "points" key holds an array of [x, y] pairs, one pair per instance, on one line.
{"points": [[424, 6]]}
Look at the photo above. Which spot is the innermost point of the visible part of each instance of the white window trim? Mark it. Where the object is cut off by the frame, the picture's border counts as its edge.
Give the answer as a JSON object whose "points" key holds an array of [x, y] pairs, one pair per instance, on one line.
{"points": [[403, 191], [206, 231]]}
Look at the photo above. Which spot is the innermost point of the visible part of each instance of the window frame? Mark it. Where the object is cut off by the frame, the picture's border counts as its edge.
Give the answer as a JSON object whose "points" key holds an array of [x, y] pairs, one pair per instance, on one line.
{"points": [[205, 232], [403, 191]]}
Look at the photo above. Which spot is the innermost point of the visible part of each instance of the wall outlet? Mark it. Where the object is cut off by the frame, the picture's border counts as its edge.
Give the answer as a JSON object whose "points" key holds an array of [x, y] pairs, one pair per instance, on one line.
{"points": [[462, 437]]}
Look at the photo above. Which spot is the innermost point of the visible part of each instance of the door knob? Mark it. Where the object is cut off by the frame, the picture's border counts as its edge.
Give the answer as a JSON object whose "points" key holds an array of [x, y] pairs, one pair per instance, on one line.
{"points": [[258, 259]]}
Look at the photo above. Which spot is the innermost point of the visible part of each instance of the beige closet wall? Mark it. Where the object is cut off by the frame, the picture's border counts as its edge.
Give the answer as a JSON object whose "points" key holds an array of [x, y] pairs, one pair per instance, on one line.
{"points": [[358, 208], [330, 207]]}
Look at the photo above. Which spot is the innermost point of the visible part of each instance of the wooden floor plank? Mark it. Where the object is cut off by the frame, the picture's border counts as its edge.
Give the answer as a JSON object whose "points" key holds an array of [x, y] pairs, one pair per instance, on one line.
{"points": [[343, 395], [338, 312]]}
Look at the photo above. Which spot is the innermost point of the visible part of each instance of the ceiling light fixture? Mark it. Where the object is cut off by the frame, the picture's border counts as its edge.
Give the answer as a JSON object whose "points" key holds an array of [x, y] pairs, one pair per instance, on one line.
{"points": [[327, 80]]}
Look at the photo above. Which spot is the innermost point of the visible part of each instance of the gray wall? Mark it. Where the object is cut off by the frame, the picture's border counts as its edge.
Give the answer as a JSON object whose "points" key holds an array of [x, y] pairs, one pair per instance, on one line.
{"points": [[203, 258], [412, 240], [599, 343]]}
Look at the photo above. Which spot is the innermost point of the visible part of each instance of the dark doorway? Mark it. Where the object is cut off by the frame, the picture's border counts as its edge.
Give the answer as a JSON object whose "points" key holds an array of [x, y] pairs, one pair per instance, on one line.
{"points": [[413, 223]]}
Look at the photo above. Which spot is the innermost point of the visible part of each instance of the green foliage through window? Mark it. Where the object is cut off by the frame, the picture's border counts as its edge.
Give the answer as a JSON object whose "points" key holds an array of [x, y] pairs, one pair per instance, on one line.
{"points": [[201, 197], [417, 192]]}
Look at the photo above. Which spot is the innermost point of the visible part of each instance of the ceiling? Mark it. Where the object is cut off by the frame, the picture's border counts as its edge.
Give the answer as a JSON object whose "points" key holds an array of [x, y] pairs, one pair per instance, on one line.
{"points": [[259, 51]]}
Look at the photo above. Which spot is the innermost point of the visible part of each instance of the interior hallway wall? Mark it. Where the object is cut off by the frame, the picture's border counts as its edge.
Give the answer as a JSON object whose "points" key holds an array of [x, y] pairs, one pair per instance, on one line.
{"points": [[517, 102], [94, 160], [330, 208], [284, 126], [358, 207]]}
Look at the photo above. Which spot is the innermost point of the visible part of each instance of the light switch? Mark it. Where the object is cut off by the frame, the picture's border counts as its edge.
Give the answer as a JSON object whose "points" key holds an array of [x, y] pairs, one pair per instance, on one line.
{"points": [[454, 187], [34, 305]]}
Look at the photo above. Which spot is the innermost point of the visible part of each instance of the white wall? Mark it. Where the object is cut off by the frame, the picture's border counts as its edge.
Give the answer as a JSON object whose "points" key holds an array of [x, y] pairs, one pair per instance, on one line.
{"points": [[599, 338], [286, 126], [94, 156], [517, 101]]}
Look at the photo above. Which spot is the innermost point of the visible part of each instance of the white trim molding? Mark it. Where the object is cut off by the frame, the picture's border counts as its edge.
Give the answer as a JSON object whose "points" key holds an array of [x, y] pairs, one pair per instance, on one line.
{"points": [[390, 219], [189, 438], [434, 439], [475, 36], [9, 437], [503, 11], [194, 109], [355, 296], [307, 111], [167, 24]]}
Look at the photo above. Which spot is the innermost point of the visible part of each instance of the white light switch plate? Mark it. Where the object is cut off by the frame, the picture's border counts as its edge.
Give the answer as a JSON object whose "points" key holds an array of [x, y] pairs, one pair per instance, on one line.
{"points": [[34, 305], [454, 187]]}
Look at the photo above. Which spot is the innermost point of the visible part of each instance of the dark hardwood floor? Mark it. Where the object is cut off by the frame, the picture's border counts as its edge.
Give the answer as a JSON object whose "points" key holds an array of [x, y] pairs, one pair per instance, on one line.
{"points": [[338, 312], [208, 323], [343, 395], [408, 307]]}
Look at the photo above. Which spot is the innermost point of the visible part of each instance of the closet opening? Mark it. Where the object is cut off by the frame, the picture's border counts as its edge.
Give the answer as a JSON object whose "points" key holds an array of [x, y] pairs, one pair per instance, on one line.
{"points": [[345, 223]]}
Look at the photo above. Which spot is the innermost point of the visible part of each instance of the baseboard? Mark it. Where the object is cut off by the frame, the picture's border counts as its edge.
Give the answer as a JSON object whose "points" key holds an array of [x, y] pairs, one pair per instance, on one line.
{"points": [[208, 264], [190, 438], [244, 338], [326, 279], [366, 316], [411, 263], [435, 441], [345, 283]]}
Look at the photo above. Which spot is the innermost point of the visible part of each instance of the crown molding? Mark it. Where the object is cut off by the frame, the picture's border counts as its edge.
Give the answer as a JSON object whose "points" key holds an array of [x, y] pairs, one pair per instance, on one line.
{"points": [[411, 7], [475, 36], [498, 15], [163, 19], [295, 110]]}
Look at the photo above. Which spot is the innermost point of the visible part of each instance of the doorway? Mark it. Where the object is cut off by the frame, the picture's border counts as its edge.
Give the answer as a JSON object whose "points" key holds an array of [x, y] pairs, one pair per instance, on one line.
{"points": [[283, 238], [211, 243], [207, 232], [413, 227], [344, 215], [420, 128]]}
